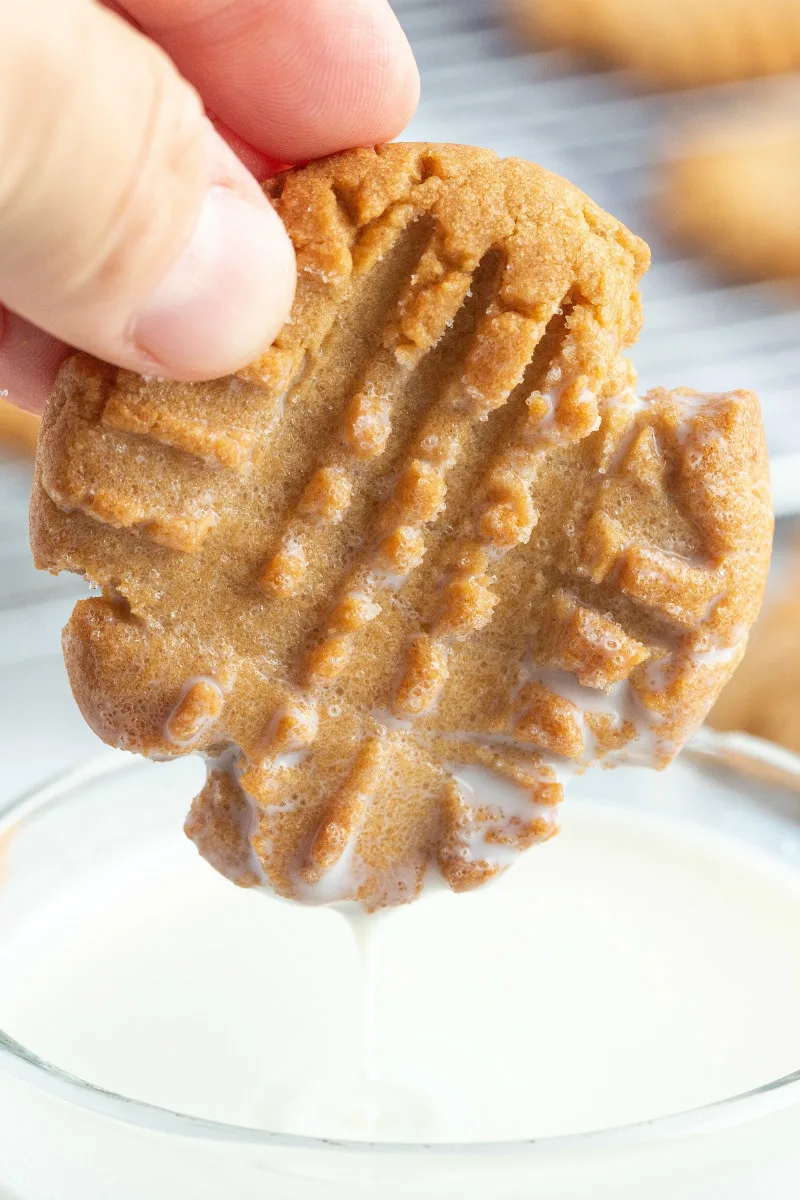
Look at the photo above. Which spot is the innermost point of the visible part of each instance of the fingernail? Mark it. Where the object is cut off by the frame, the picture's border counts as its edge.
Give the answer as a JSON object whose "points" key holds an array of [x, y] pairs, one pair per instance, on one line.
{"points": [[227, 296]]}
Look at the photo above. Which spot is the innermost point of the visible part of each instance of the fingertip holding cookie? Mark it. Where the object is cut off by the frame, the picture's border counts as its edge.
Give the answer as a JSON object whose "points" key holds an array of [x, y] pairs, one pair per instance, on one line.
{"points": [[424, 558]]}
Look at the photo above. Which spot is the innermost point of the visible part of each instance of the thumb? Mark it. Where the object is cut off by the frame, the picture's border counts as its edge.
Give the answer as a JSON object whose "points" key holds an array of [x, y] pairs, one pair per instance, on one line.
{"points": [[128, 227]]}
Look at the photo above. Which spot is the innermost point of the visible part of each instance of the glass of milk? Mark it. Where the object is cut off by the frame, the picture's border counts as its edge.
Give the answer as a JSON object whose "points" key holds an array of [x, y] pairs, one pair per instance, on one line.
{"points": [[617, 1017]]}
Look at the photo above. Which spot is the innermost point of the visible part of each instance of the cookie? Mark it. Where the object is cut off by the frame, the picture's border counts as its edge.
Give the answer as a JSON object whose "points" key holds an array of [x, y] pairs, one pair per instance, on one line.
{"points": [[681, 44], [18, 429], [731, 192], [424, 557], [763, 698]]}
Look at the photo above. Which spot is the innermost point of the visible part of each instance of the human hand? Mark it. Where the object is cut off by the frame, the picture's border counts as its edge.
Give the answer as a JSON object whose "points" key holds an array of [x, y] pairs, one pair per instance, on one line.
{"points": [[128, 227]]}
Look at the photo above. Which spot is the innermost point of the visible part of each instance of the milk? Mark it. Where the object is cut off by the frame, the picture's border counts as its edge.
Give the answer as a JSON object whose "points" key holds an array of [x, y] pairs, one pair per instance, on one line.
{"points": [[635, 966]]}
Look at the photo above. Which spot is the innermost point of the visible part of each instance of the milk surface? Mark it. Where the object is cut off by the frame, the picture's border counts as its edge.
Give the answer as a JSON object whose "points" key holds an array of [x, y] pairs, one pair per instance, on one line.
{"points": [[632, 967]]}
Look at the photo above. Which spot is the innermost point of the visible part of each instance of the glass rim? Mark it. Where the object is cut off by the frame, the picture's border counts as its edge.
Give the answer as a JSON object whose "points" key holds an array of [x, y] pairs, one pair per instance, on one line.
{"points": [[23, 1063]]}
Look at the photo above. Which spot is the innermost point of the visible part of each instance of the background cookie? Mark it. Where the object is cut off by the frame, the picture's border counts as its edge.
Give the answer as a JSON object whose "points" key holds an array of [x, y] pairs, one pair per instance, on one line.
{"points": [[675, 43], [431, 541], [763, 698], [731, 191], [18, 429]]}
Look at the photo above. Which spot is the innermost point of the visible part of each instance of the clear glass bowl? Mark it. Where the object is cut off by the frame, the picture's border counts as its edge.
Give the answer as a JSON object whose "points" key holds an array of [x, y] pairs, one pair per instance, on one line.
{"points": [[64, 1137]]}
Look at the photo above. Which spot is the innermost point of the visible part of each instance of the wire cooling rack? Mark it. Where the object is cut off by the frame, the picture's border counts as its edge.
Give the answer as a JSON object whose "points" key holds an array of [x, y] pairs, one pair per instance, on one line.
{"points": [[606, 133]]}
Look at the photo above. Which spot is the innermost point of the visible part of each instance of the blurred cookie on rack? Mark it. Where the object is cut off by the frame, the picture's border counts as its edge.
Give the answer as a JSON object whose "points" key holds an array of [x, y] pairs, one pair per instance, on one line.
{"points": [[763, 698], [672, 43], [731, 189], [426, 556], [18, 430]]}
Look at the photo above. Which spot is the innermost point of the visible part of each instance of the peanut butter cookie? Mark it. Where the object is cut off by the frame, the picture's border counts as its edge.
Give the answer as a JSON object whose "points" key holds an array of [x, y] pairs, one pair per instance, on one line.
{"points": [[764, 696], [426, 555], [731, 191], [18, 429], [674, 43]]}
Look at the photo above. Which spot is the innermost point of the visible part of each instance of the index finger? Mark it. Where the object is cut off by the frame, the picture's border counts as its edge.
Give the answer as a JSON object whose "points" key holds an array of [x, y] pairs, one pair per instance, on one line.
{"points": [[297, 80]]}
